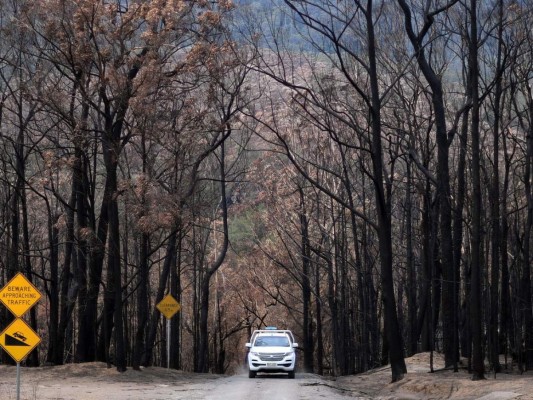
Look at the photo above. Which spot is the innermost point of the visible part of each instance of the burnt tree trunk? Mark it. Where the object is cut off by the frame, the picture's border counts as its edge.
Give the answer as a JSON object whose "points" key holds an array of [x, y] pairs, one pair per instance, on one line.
{"points": [[478, 366], [393, 332], [449, 284], [170, 254], [203, 345], [495, 208], [308, 345]]}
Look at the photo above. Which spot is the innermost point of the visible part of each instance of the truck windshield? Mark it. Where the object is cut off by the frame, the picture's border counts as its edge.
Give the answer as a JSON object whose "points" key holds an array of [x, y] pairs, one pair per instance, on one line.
{"points": [[274, 341]]}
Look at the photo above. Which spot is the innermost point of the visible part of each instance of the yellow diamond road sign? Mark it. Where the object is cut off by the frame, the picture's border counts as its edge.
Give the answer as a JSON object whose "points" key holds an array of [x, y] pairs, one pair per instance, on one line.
{"points": [[18, 339], [168, 306], [19, 295]]}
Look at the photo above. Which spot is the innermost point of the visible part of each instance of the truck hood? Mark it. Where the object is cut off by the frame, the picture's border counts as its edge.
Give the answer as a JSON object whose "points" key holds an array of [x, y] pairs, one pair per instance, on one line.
{"points": [[271, 349]]}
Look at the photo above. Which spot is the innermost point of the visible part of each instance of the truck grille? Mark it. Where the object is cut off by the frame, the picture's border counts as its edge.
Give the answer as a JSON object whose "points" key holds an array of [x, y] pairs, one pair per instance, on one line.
{"points": [[267, 357]]}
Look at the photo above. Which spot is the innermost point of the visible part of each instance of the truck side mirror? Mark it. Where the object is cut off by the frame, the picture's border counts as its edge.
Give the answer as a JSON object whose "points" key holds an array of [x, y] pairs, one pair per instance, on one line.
{"points": [[248, 345], [295, 345]]}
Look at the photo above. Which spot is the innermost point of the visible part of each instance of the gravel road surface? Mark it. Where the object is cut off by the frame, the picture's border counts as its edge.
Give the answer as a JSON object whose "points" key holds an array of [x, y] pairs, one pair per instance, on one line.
{"points": [[265, 387], [94, 381]]}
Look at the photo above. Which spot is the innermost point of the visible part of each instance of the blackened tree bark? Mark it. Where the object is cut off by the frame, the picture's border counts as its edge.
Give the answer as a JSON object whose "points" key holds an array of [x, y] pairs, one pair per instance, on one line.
{"points": [[18, 257], [142, 303], [308, 343], [525, 284], [79, 173], [411, 268], [318, 315], [346, 56], [449, 293], [33, 358], [383, 204], [96, 278], [495, 204], [526, 271], [175, 291], [203, 346], [143, 272], [22, 209], [458, 227], [52, 291], [113, 299], [338, 344], [506, 323], [427, 308], [68, 287], [367, 309], [169, 261], [113, 140], [226, 84], [478, 366]]}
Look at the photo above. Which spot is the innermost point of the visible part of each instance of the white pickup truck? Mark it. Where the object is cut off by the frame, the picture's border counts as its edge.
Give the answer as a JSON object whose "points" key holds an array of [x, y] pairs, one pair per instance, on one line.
{"points": [[271, 350]]}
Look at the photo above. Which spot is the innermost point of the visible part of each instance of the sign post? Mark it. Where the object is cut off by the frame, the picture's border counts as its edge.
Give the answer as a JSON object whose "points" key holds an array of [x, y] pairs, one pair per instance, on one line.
{"points": [[168, 307], [19, 339]]}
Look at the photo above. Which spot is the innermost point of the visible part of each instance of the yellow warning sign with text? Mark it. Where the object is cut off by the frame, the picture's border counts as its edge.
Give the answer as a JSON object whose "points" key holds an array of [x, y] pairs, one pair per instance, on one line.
{"points": [[168, 306], [19, 295], [18, 339]]}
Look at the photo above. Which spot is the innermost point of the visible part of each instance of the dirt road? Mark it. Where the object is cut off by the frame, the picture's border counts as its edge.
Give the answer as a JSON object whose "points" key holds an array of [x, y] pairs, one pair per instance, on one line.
{"points": [[93, 381], [268, 387]]}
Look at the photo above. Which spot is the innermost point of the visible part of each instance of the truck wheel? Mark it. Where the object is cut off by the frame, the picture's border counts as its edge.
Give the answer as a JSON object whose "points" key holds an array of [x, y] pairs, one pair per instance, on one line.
{"points": [[291, 374], [251, 374]]}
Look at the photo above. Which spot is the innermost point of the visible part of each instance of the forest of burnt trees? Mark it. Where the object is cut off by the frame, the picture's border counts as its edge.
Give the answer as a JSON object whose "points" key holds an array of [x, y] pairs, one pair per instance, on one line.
{"points": [[357, 171]]}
